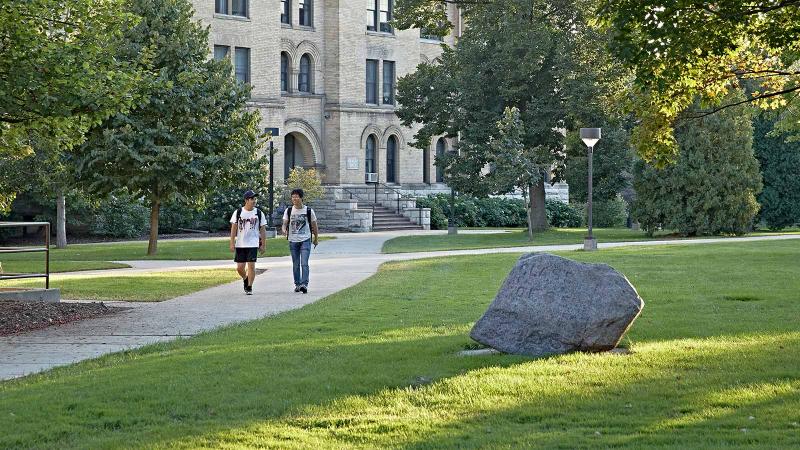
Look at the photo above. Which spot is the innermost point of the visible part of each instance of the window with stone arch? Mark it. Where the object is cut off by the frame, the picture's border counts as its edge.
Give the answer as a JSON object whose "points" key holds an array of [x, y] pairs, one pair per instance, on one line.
{"points": [[441, 147], [284, 72], [391, 160], [369, 161], [304, 78]]}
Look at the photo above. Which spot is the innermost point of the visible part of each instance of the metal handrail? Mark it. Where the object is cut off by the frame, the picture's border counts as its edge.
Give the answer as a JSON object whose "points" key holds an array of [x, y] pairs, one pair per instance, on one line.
{"points": [[45, 249]]}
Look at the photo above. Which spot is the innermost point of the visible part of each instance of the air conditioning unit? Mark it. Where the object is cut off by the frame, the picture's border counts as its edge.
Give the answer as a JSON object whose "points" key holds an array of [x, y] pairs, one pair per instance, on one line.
{"points": [[372, 178]]}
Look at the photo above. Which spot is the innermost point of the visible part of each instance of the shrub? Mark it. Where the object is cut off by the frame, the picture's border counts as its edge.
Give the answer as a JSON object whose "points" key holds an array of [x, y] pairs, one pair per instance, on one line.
{"points": [[472, 212], [121, 216], [562, 215]]}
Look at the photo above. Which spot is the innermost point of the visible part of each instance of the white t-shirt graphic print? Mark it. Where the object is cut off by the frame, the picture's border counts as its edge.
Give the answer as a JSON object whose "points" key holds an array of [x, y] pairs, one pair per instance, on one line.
{"points": [[247, 236], [299, 228]]}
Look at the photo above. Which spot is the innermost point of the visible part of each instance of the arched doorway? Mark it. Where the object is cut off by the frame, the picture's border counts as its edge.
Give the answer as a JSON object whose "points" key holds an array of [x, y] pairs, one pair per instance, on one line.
{"points": [[292, 154], [440, 149]]}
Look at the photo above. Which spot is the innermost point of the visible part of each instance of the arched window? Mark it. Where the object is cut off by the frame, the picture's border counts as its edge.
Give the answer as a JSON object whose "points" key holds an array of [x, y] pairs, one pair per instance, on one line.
{"points": [[369, 163], [440, 148], [304, 78], [391, 160], [284, 72], [426, 166]]}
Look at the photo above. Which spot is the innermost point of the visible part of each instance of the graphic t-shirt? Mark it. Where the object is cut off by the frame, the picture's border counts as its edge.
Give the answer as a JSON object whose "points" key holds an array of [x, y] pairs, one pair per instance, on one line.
{"points": [[299, 228], [247, 236]]}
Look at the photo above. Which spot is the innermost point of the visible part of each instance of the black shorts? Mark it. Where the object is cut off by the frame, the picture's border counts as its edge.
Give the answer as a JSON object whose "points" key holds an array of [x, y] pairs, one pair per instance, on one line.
{"points": [[246, 254]]}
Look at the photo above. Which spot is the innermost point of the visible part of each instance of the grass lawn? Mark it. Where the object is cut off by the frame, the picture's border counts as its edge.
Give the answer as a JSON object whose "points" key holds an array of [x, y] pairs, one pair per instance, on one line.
{"points": [[142, 287], [519, 238], [97, 256], [715, 363]]}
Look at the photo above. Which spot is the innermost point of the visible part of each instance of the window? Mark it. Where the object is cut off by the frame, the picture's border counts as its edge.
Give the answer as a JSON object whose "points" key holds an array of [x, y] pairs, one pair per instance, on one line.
{"points": [[306, 12], [284, 72], [369, 164], [379, 14], [372, 81], [388, 82], [391, 160], [426, 166], [221, 52], [385, 15], [304, 77], [286, 11], [440, 147], [242, 66], [426, 33], [372, 15], [239, 8], [232, 7], [221, 7]]}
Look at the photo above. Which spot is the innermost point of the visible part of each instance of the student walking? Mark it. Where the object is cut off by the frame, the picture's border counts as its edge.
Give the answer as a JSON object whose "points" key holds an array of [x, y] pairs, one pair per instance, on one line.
{"points": [[248, 236], [300, 227]]}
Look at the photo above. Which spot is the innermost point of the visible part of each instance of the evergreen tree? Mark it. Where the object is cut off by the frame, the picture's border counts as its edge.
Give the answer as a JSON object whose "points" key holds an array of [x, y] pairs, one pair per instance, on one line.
{"points": [[780, 167], [712, 187]]}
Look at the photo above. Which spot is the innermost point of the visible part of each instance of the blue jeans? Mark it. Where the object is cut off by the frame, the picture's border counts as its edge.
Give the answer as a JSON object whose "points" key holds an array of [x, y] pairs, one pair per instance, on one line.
{"points": [[300, 252]]}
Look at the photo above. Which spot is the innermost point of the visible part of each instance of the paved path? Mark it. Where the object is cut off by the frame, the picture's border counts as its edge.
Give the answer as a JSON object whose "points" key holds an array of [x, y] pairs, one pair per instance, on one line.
{"points": [[336, 265]]}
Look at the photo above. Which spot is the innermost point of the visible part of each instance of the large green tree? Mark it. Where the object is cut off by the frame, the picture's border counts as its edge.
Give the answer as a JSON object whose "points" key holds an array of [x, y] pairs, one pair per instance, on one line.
{"points": [[780, 167], [193, 131], [712, 186], [58, 75], [511, 78], [688, 49]]}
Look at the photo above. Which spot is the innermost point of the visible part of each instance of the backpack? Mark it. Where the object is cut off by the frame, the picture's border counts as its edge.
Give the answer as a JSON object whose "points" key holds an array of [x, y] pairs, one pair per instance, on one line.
{"points": [[308, 218], [258, 214]]}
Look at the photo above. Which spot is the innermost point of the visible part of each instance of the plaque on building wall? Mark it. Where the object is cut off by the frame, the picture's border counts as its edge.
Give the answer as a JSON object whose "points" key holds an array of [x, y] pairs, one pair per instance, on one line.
{"points": [[352, 163]]}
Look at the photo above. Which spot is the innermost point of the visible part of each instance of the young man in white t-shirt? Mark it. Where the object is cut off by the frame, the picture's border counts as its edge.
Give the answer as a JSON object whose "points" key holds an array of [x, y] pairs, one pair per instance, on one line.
{"points": [[299, 225], [248, 236]]}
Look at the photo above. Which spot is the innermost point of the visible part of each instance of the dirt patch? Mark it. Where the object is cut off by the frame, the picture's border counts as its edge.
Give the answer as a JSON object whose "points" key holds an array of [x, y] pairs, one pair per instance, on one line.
{"points": [[18, 317]]}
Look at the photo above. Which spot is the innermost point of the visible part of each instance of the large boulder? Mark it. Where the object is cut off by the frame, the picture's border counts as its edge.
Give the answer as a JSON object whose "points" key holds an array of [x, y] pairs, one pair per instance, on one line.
{"points": [[550, 305]]}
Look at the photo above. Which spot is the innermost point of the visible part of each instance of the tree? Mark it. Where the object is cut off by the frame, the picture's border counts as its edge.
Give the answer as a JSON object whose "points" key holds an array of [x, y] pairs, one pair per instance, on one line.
{"points": [[192, 132], [689, 49], [58, 75], [780, 167], [514, 54], [306, 179], [712, 187]]}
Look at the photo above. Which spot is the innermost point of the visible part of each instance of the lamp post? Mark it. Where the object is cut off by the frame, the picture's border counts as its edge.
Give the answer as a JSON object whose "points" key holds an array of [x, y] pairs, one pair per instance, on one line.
{"points": [[590, 137], [452, 227], [273, 132]]}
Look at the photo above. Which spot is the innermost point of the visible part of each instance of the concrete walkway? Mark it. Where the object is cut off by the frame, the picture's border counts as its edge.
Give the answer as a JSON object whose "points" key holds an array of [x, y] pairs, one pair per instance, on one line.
{"points": [[335, 265]]}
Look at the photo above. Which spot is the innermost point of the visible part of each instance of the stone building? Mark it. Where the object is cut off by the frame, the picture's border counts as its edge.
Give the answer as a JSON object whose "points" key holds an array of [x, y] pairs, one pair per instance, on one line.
{"points": [[325, 72]]}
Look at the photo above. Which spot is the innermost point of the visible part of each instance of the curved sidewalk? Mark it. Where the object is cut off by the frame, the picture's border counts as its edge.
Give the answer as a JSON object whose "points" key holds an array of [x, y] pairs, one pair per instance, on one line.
{"points": [[334, 266]]}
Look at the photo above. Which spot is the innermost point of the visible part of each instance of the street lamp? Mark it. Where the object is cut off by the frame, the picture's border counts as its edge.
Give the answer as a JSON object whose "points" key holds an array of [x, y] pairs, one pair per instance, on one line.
{"points": [[273, 133], [590, 136], [452, 227]]}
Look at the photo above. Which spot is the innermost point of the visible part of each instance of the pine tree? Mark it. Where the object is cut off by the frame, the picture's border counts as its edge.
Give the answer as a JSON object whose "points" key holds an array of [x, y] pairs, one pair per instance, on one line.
{"points": [[780, 166], [712, 187]]}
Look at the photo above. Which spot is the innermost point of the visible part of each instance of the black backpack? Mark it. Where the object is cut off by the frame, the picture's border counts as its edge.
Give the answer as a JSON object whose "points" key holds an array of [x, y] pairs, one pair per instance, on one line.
{"points": [[308, 218], [258, 214]]}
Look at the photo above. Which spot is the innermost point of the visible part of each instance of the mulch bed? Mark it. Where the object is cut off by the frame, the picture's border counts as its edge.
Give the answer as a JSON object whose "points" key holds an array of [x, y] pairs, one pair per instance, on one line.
{"points": [[18, 316]]}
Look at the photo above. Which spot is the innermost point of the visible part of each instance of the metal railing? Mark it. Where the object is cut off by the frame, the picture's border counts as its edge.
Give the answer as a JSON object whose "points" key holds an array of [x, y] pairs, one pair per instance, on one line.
{"points": [[45, 249]]}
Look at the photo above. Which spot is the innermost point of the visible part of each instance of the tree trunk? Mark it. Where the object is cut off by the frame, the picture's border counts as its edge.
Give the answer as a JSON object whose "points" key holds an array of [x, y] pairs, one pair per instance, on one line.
{"points": [[61, 221], [525, 193], [152, 246], [537, 213]]}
